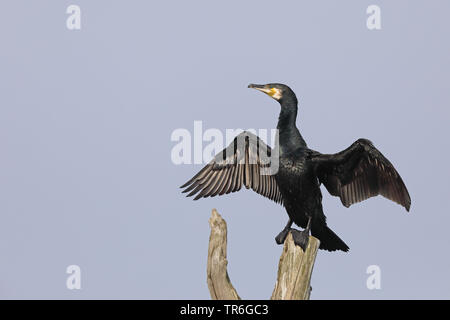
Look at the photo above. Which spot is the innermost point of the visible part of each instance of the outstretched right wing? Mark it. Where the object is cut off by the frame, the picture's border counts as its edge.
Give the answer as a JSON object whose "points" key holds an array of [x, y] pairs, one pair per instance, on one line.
{"points": [[246, 161]]}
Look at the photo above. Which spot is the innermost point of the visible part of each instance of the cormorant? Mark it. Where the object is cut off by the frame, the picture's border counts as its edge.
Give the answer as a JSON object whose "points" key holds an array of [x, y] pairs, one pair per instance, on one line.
{"points": [[354, 174]]}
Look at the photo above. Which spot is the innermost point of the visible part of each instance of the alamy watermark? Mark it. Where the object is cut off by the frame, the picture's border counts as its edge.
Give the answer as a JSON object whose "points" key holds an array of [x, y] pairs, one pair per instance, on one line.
{"points": [[200, 146], [73, 21], [74, 279], [374, 19], [374, 280]]}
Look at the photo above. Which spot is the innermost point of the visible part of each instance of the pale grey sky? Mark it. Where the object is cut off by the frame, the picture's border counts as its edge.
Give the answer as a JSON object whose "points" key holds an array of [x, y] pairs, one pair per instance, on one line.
{"points": [[86, 117]]}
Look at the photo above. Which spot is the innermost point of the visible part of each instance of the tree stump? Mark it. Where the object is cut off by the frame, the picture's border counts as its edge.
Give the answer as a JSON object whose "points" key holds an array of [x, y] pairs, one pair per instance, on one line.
{"points": [[294, 268]]}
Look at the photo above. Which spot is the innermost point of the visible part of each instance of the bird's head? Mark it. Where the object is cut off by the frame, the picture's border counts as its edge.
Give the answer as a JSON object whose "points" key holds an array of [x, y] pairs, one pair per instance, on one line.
{"points": [[277, 91]]}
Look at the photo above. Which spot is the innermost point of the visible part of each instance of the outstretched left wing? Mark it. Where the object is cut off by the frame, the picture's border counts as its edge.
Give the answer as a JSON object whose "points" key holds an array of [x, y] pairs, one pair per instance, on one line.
{"points": [[244, 162], [360, 172]]}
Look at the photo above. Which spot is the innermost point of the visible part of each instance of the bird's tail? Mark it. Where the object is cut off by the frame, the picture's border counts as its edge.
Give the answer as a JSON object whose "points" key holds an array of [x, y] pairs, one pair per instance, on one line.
{"points": [[329, 240]]}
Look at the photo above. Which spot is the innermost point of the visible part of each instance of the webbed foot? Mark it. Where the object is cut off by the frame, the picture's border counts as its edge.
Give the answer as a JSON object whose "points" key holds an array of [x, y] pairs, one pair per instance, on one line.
{"points": [[301, 238], [281, 237]]}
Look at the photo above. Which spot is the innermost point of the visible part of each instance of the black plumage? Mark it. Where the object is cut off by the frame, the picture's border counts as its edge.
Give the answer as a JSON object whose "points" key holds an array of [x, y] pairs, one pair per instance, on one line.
{"points": [[291, 174]]}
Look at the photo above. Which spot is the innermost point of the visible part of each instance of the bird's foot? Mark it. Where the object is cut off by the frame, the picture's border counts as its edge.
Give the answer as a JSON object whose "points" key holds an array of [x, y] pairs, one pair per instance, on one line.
{"points": [[279, 239], [301, 238]]}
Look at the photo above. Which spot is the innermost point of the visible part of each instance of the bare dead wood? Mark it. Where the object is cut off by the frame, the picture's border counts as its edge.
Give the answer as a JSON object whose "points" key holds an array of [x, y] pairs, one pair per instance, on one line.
{"points": [[294, 268], [219, 283]]}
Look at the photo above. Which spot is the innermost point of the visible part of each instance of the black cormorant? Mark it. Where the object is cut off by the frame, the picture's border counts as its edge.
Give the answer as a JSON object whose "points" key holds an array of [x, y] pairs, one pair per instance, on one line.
{"points": [[354, 174]]}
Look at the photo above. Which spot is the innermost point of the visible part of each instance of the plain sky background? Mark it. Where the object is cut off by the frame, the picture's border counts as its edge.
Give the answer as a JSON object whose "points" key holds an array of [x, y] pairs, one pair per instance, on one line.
{"points": [[86, 116]]}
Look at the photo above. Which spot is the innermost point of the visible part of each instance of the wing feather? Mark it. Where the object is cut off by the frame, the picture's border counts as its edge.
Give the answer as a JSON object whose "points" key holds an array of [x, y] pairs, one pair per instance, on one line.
{"points": [[360, 172], [240, 164]]}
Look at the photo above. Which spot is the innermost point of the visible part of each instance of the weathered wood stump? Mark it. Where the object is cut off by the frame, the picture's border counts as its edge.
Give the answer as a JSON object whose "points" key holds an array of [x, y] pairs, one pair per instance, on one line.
{"points": [[294, 269]]}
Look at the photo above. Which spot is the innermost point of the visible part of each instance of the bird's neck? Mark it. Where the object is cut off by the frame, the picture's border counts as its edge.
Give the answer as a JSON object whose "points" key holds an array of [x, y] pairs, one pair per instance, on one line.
{"points": [[290, 138]]}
